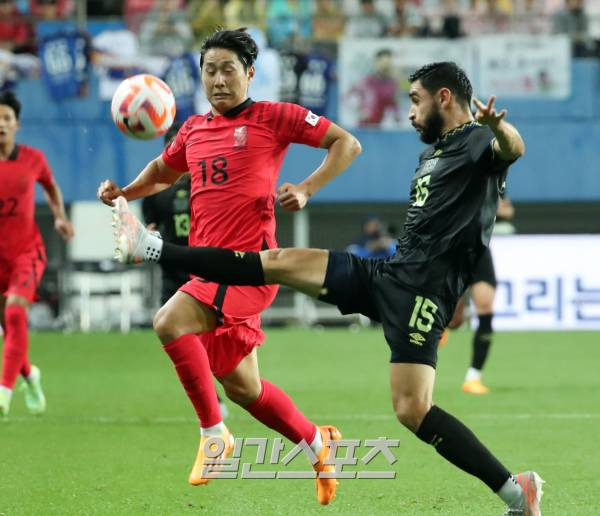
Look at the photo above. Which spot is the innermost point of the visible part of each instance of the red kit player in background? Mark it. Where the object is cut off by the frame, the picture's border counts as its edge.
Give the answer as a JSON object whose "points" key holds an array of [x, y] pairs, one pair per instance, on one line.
{"points": [[22, 253], [234, 154]]}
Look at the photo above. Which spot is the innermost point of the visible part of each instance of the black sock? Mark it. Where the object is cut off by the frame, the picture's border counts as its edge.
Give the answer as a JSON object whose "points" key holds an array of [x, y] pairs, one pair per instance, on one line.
{"points": [[482, 341], [458, 445], [215, 264]]}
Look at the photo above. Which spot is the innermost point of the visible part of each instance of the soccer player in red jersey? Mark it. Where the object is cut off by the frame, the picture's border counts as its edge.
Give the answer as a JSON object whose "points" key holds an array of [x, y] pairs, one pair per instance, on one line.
{"points": [[22, 253], [234, 154]]}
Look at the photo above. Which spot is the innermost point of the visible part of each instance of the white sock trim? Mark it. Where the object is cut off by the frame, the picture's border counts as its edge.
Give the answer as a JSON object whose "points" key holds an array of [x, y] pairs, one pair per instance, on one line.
{"points": [[317, 443], [473, 374], [213, 431], [6, 391], [511, 493], [152, 247]]}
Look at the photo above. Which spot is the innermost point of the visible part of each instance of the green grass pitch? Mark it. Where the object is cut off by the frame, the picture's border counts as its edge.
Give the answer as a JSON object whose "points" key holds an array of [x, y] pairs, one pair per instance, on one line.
{"points": [[119, 436]]}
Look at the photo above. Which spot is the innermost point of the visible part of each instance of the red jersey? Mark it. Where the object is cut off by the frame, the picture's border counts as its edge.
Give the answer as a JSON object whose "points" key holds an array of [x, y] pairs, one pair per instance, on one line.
{"points": [[234, 160], [18, 175]]}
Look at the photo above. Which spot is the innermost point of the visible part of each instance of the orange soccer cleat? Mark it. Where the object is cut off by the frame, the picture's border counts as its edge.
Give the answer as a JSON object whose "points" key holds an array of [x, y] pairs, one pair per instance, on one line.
{"points": [[475, 387], [531, 483], [199, 475], [326, 486]]}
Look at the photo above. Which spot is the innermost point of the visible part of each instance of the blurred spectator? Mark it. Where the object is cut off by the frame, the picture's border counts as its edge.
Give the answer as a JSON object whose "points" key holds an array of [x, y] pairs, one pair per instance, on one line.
{"points": [[16, 33], [530, 17], [328, 21], [104, 8], [451, 27], [245, 13], [51, 9], [573, 21], [136, 10], [489, 18], [377, 94], [165, 30], [405, 21], [287, 20], [367, 24], [375, 241], [205, 17]]}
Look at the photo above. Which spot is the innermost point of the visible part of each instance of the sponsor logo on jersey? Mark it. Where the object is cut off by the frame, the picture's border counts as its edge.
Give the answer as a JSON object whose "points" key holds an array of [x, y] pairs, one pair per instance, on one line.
{"points": [[416, 338], [240, 137], [312, 119]]}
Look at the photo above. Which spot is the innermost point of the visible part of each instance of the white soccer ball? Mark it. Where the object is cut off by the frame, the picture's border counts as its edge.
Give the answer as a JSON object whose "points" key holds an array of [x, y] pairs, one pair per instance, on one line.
{"points": [[143, 107]]}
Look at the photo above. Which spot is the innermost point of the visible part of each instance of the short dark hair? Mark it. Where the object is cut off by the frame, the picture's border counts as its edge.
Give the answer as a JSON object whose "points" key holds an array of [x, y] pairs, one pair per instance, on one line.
{"points": [[445, 74], [383, 52], [172, 132], [238, 41], [8, 98]]}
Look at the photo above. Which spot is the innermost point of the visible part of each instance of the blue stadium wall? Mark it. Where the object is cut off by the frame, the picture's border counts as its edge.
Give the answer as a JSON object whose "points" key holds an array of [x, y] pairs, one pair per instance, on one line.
{"points": [[562, 162]]}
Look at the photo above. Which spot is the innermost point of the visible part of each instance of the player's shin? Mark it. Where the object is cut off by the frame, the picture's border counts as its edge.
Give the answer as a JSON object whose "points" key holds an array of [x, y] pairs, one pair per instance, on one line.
{"points": [[458, 445], [215, 264], [15, 344]]}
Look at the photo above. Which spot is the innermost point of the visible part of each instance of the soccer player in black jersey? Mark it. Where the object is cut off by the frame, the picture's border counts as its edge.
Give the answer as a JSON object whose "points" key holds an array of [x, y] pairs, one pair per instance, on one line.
{"points": [[453, 200]]}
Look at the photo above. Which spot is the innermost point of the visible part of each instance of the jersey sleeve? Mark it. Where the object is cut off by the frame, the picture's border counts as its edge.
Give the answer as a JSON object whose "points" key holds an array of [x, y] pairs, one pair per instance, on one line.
{"points": [[174, 155], [482, 151], [295, 124], [44, 176]]}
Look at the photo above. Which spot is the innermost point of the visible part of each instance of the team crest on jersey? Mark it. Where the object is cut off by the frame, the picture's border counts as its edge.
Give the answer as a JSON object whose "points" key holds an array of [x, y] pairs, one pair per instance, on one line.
{"points": [[312, 119], [240, 137], [429, 166]]}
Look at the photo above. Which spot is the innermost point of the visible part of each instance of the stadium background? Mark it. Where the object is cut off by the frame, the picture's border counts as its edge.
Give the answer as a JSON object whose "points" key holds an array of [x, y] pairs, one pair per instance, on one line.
{"points": [[555, 189]]}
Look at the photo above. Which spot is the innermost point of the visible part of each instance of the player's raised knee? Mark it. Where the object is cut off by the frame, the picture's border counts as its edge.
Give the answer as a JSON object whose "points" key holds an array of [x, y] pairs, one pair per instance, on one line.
{"points": [[242, 393]]}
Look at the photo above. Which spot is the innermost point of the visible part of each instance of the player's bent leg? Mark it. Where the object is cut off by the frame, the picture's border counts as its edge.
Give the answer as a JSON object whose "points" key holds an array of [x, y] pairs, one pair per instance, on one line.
{"points": [[15, 347], [482, 294], [177, 324], [412, 386], [275, 409]]}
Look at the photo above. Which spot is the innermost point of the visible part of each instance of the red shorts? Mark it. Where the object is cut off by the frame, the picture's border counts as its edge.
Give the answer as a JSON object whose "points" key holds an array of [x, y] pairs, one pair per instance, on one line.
{"points": [[22, 274], [238, 313]]}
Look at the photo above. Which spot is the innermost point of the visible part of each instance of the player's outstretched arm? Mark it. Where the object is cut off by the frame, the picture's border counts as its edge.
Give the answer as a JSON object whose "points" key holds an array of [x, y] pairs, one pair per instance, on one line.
{"points": [[342, 149], [55, 200], [154, 178], [508, 144]]}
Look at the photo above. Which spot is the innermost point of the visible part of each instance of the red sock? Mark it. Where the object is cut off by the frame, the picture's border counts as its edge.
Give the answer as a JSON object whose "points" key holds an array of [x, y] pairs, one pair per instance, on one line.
{"points": [[191, 362], [275, 409], [25, 368], [15, 344]]}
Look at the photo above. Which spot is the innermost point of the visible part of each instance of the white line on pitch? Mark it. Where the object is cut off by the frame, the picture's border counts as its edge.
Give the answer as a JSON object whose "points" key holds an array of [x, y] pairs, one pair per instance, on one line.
{"points": [[110, 420]]}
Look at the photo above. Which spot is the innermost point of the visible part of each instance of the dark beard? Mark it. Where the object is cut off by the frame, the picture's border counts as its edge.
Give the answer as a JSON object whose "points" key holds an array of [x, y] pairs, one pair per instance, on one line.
{"points": [[432, 127]]}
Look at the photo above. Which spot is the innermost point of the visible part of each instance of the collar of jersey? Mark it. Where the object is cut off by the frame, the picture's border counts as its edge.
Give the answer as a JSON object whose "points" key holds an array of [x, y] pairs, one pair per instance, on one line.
{"points": [[14, 155], [459, 129], [239, 108]]}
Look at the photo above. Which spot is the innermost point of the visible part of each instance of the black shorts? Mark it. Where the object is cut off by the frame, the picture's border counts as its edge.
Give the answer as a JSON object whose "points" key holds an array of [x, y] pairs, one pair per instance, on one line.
{"points": [[412, 322], [484, 269]]}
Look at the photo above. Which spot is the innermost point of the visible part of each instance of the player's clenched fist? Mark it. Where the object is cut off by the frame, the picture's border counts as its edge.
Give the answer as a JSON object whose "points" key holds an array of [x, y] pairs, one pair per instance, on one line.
{"points": [[291, 197], [108, 191]]}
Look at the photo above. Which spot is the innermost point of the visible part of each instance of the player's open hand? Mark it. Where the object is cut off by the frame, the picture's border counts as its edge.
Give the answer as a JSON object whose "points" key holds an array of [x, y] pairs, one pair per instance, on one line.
{"points": [[291, 197], [487, 115], [64, 228], [108, 191]]}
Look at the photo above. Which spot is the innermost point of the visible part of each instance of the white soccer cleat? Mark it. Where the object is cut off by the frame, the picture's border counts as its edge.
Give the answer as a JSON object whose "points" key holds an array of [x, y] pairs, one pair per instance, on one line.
{"points": [[531, 483], [5, 397], [35, 401], [133, 242]]}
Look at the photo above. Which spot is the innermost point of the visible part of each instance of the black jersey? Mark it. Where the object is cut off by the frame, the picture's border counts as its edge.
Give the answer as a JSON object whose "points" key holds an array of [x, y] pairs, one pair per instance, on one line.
{"points": [[453, 200], [170, 211]]}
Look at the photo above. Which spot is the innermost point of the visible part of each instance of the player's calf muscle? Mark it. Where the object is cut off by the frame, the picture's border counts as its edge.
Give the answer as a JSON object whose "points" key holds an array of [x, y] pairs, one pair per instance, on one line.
{"points": [[301, 269]]}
